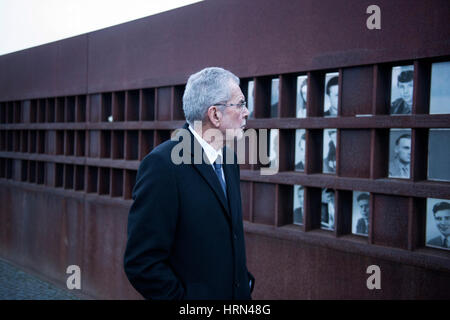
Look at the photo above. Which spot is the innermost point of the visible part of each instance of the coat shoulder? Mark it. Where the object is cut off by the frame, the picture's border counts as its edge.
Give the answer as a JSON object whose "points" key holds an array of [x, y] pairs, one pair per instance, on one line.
{"points": [[437, 241]]}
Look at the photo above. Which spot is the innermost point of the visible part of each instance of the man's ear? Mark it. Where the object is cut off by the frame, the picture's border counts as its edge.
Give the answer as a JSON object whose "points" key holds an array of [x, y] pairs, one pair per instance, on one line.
{"points": [[214, 116]]}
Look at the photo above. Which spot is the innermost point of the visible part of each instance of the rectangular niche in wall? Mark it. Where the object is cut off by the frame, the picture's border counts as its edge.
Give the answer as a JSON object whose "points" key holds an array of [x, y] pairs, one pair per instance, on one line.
{"points": [[106, 112], [439, 155], [147, 104], [440, 89], [390, 219], [70, 109]]}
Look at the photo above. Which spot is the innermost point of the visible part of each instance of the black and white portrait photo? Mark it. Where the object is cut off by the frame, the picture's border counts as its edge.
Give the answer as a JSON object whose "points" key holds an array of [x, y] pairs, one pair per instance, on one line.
{"points": [[273, 148], [329, 151], [399, 153], [402, 87], [360, 213], [439, 154], [438, 223], [440, 88], [298, 204], [327, 209], [302, 82], [251, 98], [274, 98], [300, 145], [331, 94]]}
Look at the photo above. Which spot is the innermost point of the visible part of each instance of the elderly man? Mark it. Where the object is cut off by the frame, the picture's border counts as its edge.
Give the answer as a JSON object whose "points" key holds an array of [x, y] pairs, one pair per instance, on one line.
{"points": [[185, 232], [399, 166], [441, 214]]}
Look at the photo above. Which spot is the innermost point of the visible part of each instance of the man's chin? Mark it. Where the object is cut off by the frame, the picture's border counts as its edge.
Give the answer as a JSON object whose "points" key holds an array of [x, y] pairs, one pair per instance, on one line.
{"points": [[237, 133], [240, 132]]}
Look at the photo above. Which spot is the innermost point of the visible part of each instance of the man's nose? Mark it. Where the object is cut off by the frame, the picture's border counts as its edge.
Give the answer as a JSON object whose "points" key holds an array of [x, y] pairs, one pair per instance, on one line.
{"points": [[245, 112]]}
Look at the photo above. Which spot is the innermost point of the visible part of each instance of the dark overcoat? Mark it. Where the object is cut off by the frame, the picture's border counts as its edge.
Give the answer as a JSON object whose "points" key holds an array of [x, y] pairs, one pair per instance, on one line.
{"points": [[185, 237]]}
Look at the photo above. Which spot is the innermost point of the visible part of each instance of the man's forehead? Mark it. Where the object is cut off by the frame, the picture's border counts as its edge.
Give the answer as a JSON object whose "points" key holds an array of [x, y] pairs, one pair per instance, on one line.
{"points": [[443, 212], [334, 87], [405, 141], [236, 91]]}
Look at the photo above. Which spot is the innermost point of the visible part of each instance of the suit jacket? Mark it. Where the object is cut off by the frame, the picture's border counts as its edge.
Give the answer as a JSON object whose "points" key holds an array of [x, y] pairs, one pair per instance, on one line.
{"points": [[361, 226], [298, 215], [437, 241], [185, 238], [395, 169], [325, 217], [399, 106], [299, 166]]}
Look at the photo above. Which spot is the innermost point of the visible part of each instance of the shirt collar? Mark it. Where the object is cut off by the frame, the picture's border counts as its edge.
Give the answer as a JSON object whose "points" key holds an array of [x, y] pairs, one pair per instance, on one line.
{"points": [[211, 153]]}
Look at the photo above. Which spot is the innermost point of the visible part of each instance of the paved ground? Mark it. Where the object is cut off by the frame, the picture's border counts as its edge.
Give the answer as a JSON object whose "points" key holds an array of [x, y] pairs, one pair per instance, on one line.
{"points": [[16, 284]]}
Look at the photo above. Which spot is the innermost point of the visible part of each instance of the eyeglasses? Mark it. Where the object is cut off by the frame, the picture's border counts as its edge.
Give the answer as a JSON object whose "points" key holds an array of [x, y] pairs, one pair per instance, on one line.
{"points": [[240, 105]]}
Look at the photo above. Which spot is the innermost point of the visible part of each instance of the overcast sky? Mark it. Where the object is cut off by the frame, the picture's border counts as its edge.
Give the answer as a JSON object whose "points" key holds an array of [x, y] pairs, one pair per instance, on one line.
{"points": [[28, 23]]}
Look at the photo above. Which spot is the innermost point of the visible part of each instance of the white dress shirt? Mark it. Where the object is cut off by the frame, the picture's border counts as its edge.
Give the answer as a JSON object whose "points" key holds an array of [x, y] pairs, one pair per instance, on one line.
{"points": [[210, 152]]}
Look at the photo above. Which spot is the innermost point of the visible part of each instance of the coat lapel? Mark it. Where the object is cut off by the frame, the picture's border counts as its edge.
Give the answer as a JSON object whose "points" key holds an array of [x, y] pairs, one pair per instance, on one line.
{"points": [[207, 172], [231, 188]]}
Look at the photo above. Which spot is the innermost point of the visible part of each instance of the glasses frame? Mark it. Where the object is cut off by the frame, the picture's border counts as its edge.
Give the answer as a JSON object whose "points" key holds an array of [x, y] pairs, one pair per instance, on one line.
{"points": [[239, 105]]}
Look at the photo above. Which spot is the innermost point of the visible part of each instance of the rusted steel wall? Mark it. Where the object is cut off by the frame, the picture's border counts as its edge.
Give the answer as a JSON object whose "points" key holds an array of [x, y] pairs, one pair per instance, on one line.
{"points": [[66, 173], [250, 37]]}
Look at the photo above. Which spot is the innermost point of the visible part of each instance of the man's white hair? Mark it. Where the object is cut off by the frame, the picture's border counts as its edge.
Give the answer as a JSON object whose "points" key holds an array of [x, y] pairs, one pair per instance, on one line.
{"points": [[204, 89]]}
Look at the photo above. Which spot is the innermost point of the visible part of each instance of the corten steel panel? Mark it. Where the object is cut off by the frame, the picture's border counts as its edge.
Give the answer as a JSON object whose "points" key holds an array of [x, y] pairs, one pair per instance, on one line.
{"points": [[42, 231], [92, 234], [95, 107], [54, 69], [308, 271], [264, 203], [357, 91], [46, 232], [246, 196], [104, 239], [163, 103], [298, 35]]}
